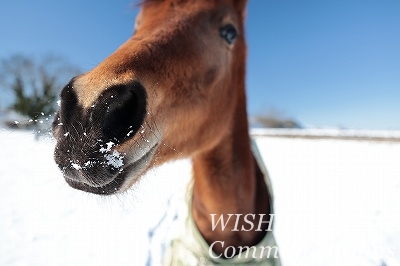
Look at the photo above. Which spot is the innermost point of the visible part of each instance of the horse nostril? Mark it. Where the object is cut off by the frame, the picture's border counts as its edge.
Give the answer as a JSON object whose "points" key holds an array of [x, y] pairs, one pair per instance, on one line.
{"points": [[125, 109]]}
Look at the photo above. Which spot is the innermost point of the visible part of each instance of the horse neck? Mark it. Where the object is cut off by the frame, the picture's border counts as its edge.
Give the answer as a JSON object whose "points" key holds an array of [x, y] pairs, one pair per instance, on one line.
{"points": [[227, 180]]}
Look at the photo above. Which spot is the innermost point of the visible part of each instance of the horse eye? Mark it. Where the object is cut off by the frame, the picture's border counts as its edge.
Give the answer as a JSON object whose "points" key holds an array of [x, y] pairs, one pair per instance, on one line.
{"points": [[229, 33]]}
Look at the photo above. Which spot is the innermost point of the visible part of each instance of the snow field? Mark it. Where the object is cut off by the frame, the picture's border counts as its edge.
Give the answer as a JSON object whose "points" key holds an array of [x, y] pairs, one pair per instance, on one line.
{"points": [[337, 202]]}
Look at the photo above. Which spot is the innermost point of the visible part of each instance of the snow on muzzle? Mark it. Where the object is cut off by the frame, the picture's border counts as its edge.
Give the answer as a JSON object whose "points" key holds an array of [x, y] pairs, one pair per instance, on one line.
{"points": [[88, 138]]}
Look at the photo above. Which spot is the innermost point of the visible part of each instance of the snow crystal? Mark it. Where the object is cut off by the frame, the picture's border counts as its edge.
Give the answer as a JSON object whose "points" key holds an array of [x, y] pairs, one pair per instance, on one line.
{"points": [[66, 134], [115, 159], [76, 166], [89, 164], [108, 148], [59, 102]]}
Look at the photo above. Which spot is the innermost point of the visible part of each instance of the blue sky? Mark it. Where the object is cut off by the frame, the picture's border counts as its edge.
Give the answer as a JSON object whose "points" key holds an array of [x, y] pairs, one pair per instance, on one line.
{"points": [[324, 63]]}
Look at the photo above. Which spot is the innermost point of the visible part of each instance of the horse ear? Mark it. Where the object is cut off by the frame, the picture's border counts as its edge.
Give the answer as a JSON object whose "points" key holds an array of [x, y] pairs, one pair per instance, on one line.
{"points": [[240, 4]]}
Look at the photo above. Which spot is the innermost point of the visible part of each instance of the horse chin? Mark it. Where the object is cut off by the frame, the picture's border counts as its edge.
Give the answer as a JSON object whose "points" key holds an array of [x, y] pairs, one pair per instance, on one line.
{"points": [[123, 180]]}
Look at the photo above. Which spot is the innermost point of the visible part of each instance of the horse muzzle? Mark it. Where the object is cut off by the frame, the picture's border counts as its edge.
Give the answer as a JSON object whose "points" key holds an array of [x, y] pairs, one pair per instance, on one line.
{"points": [[92, 142]]}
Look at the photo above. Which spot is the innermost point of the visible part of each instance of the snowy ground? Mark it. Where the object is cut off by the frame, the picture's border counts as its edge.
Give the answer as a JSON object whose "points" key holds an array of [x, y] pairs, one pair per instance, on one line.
{"points": [[337, 202]]}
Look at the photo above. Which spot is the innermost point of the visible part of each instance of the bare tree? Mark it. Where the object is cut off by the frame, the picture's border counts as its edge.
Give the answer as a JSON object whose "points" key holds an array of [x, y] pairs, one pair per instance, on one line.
{"points": [[34, 85], [275, 119]]}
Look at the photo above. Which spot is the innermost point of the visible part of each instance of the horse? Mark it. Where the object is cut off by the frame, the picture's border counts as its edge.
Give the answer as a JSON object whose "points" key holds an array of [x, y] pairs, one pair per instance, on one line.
{"points": [[175, 89]]}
